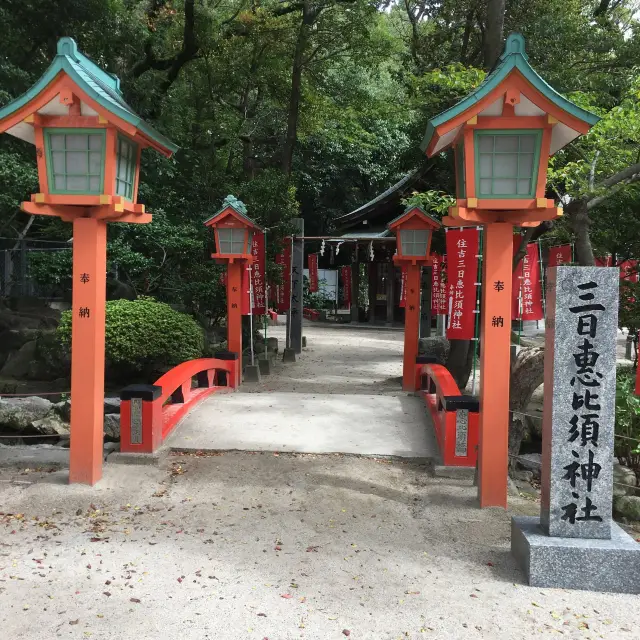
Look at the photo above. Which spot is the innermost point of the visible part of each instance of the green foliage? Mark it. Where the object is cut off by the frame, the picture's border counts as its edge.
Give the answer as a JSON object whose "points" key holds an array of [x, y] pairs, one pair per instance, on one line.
{"points": [[144, 335], [433, 202], [372, 74], [52, 268], [627, 444], [318, 300], [629, 313]]}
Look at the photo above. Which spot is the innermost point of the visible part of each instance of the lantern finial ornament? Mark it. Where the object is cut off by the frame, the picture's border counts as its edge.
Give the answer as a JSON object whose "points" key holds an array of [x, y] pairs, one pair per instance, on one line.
{"points": [[238, 205]]}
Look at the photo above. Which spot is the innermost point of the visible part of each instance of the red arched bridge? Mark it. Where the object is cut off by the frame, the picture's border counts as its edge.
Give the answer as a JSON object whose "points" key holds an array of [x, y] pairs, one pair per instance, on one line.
{"points": [[151, 412]]}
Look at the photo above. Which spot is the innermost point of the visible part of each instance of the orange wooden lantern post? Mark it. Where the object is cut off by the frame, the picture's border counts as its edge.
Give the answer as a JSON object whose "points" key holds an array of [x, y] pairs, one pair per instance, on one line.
{"points": [[88, 143], [233, 235], [503, 135], [413, 230]]}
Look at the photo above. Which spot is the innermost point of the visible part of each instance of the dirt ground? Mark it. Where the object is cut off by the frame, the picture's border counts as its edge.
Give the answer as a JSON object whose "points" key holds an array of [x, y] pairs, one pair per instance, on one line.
{"points": [[271, 546]]}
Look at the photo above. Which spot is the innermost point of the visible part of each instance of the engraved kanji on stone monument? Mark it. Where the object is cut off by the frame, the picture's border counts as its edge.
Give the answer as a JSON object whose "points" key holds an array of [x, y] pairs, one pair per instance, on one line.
{"points": [[579, 411]]}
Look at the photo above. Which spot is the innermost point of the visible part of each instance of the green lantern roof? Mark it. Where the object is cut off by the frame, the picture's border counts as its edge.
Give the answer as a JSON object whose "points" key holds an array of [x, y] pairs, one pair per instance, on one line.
{"points": [[100, 86], [513, 58], [239, 208]]}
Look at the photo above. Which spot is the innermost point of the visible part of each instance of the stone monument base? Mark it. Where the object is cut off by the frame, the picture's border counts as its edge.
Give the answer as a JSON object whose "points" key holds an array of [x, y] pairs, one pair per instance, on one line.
{"points": [[251, 373], [576, 563]]}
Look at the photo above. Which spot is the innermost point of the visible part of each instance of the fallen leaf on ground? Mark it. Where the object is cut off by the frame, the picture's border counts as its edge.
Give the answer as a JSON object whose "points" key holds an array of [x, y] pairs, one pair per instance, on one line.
{"points": [[286, 596]]}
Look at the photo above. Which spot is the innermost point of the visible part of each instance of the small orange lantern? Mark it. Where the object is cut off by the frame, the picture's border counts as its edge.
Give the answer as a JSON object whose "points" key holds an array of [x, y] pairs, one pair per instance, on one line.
{"points": [[413, 230], [233, 231]]}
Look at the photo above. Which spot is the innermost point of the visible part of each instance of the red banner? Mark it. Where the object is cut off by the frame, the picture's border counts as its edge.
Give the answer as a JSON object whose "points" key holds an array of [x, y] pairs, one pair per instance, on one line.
{"points": [[313, 272], [258, 274], [438, 285], [560, 255], [345, 273], [443, 300], [283, 290], [603, 262], [629, 270], [403, 286], [462, 271], [527, 287]]}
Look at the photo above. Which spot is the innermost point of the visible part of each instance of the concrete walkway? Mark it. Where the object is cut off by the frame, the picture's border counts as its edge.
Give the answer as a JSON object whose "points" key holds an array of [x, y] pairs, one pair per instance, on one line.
{"points": [[342, 396]]}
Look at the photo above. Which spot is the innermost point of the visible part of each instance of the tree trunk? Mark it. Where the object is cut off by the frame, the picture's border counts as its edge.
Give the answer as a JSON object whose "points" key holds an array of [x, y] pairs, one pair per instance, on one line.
{"points": [[494, 32], [468, 27], [526, 376], [579, 219], [460, 361], [309, 15]]}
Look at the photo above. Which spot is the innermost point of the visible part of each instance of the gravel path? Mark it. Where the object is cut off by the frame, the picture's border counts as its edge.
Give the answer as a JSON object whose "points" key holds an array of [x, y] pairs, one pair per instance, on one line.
{"points": [[264, 546], [259, 546]]}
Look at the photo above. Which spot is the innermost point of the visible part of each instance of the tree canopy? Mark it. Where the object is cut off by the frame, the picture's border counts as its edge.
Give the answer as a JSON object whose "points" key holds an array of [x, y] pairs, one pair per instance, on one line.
{"points": [[314, 107]]}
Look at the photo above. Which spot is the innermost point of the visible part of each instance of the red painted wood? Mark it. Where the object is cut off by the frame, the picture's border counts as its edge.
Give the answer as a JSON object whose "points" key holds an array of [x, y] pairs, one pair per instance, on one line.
{"points": [[444, 422], [161, 416]]}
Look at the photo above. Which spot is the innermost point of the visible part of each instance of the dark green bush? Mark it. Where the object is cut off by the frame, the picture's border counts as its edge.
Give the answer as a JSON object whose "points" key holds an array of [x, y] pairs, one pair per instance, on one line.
{"points": [[144, 335]]}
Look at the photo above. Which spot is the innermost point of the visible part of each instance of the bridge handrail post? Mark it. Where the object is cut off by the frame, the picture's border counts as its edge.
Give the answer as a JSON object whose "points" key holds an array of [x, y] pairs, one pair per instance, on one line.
{"points": [[140, 418], [233, 365]]}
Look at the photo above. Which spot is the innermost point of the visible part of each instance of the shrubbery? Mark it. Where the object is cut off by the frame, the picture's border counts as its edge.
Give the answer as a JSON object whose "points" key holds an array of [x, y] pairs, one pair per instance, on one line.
{"points": [[144, 335]]}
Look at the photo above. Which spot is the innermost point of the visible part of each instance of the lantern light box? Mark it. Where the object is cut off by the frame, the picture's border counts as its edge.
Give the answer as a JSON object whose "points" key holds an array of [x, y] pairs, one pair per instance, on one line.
{"points": [[88, 140], [233, 231], [414, 229], [502, 136]]}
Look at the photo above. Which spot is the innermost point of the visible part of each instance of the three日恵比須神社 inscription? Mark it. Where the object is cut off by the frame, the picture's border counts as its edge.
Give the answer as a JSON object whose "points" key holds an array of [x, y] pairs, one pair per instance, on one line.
{"points": [[579, 410]]}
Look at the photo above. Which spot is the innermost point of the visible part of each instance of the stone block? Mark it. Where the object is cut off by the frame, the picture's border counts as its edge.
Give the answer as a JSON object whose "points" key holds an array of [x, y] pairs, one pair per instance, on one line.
{"points": [[265, 365], [454, 473], [576, 563], [628, 507], [579, 401], [251, 373], [119, 457], [288, 355]]}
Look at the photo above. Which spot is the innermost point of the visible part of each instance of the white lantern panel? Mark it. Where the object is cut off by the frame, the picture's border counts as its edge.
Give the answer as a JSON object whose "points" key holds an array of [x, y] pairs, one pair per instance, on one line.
{"points": [[414, 242]]}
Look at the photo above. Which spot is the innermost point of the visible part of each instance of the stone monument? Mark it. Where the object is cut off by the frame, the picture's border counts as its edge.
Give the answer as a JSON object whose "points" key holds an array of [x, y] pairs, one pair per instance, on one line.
{"points": [[575, 544]]}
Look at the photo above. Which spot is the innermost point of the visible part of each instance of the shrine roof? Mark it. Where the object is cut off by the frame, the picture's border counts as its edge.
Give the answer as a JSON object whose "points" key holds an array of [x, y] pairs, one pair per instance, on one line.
{"points": [[99, 85], [513, 58], [387, 203]]}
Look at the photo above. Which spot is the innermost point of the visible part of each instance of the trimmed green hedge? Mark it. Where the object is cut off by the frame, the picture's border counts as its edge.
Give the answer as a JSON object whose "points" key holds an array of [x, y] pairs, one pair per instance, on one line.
{"points": [[144, 335]]}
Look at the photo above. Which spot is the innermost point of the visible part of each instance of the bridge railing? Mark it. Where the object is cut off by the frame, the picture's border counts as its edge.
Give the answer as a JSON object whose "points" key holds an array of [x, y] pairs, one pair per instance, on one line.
{"points": [[456, 417], [149, 412]]}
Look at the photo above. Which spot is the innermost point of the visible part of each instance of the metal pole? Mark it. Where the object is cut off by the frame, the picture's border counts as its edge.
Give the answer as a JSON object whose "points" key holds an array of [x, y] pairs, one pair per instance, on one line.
{"points": [[290, 294]]}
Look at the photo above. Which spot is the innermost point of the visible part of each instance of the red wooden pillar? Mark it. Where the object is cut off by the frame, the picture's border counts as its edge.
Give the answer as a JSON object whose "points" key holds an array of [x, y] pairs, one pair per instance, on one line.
{"points": [[87, 349], [234, 312], [411, 327], [495, 365]]}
